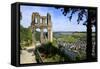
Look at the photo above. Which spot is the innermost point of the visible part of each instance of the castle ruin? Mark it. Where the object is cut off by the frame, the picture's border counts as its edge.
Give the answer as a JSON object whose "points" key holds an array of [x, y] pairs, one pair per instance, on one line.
{"points": [[42, 22]]}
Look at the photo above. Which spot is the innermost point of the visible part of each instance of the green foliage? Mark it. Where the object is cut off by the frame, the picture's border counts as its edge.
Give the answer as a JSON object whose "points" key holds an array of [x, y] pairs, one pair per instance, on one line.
{"points": [[71, 38], [37, 36], [25, 36], [52, 53], [68, 38], [55, 58], [54, 41]]}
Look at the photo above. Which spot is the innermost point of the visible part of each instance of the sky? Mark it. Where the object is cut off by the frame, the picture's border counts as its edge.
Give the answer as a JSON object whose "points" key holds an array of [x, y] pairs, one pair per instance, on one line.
{"points": [[59, 21]]}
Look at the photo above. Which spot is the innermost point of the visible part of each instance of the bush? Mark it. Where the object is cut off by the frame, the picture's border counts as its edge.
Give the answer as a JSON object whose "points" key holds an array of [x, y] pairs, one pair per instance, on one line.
{"points": [[52, 53]]}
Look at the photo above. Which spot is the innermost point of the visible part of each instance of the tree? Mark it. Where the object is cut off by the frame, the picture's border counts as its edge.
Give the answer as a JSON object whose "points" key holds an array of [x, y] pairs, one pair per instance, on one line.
{"points": [[91, 16]]}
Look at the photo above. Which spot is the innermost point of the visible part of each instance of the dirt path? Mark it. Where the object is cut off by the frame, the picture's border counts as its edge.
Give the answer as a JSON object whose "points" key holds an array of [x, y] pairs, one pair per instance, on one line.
{"points": [[27, 55]]}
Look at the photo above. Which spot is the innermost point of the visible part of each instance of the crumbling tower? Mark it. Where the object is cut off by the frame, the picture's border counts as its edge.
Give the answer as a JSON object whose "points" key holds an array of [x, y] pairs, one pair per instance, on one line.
{"points": [[41, 22]]}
